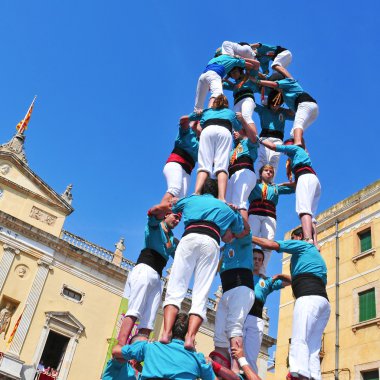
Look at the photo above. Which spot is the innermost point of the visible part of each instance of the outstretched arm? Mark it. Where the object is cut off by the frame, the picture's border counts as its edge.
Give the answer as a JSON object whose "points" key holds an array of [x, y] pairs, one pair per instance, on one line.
{"points": [[250, 129], [265, 83], [160, 210], [286, 279], [251, 64], [223, 372], [267, 143], [265, 243]]}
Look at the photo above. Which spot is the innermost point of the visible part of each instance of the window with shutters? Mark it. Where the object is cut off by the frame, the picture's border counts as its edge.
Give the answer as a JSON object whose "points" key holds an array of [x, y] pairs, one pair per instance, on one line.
{"points": [[72, 294], [367, 305], [365, 240], [370, 375]]}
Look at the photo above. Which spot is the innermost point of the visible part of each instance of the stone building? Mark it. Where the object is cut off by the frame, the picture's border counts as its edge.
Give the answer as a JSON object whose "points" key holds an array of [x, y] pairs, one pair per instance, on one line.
{"points": [[63, 292], [349, 236]]}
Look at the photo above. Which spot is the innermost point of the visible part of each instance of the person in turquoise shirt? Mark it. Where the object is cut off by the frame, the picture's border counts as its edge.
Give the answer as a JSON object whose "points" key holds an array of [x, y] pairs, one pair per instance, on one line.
{"points": [[181, 161], [238, 296], [211, 78], [242, 176], [168, 361], [116, 370], [280, 56], [254, 325], [308, 187], [206, 221], [272, 123], [143, 286], [305, 107], [262, 207], [215, 142], [311, 309]]}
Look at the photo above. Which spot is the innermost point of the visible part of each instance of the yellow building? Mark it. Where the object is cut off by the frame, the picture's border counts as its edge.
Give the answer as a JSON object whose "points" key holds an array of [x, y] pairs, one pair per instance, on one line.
{"points": [[349, 236], [63, 293]]}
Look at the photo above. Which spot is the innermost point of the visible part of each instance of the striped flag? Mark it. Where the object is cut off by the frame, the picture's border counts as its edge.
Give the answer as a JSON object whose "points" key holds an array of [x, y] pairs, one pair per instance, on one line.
{"points": [[15, 329], [23, 124]]}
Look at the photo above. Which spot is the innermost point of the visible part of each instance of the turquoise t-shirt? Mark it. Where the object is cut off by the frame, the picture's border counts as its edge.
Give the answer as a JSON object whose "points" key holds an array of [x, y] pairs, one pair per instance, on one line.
{"points": [[170, 361], [305, 258], [273, 192], [206, 207], [244, 147], [227, 62], [223, 113], [188, 141], [297, 154], [238, 254], [290, 91], [118, 371], [265, 286], [274, 121], [157, 239]]}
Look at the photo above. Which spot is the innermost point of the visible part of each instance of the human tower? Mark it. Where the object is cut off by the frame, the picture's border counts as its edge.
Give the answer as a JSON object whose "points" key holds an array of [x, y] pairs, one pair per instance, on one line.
{"points": [[234, 201]]}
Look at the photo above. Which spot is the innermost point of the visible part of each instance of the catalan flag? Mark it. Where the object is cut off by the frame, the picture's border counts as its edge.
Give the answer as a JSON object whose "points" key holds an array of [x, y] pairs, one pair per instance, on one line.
{"points": [[23, 124], [15, 329]]}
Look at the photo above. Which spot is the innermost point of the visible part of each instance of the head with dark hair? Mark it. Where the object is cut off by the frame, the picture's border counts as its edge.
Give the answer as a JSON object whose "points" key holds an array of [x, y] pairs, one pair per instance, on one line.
{"points": [[137, 337], [258, 258], [180, 327], [220, 101], [236, 73], [210, 187], [297, 234], [243, 43], [274, 100]]}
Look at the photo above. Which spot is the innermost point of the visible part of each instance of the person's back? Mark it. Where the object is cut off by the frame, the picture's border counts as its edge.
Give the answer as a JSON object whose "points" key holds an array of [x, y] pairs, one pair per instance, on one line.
{"points": [[170, 361]]}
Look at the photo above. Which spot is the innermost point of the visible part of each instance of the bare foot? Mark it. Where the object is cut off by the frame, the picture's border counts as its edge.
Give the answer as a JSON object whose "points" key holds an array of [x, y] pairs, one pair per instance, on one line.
{"points": [[189, 343], [165, 338]]}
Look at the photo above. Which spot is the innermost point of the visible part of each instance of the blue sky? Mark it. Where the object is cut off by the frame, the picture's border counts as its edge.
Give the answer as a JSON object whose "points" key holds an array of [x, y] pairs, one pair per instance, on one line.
{"points": [[112, 79]]}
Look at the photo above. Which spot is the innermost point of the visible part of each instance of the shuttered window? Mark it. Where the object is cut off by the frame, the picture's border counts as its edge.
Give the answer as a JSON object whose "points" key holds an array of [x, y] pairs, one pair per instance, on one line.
{"points": [[371, 375], [367, 305], [365, 240]]}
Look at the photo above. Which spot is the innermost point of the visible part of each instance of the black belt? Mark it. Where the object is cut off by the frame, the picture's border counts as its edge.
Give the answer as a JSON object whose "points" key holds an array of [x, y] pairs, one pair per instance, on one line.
{"points": [[219, 122], [302, 169], [190, 163], [272, 133], [307, 284], [262, 208], [152, 258], [232, 278], [303, 97], [245, 93], [242, 162], [203, 227], [257, 309], [279, 50]]}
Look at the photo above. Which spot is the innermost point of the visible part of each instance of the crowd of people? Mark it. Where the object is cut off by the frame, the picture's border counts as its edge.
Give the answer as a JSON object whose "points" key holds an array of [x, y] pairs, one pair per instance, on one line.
{"points": [[234, 202]]}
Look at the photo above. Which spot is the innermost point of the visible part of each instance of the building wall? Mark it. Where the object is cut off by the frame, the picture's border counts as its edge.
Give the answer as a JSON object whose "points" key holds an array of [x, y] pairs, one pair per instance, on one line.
{"points": [[359, 342]]}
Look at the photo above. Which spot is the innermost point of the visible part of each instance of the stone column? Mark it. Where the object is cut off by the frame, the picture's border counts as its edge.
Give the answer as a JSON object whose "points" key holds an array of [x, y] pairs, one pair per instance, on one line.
{"points": [[6, 262], [31, 304]]}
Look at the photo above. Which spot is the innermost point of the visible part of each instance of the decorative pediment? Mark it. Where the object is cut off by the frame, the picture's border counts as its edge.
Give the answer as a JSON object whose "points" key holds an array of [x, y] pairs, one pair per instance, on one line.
{"points": [[15, 174], [65, 321]]}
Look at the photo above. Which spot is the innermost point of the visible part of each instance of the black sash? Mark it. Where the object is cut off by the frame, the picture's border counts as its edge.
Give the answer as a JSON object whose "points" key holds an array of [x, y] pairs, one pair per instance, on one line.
{"points": [[232, 278], [219, 122], [205, 228], [307, 284], [257, 309], [152, 258]]}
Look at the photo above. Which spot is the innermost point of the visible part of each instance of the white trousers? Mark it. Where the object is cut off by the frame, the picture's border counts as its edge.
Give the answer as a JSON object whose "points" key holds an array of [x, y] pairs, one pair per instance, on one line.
{"points": [[233, 48], [239, 187], [310, 317], [214, 148], [209, 80], [198, 254], [308, 192], [231, 313], [177, 179], [143, 290], [267, 156], [283, 59], [253, 335], [306, 114], [246, 106], [265, 227]]}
